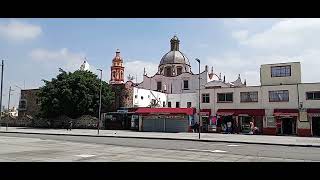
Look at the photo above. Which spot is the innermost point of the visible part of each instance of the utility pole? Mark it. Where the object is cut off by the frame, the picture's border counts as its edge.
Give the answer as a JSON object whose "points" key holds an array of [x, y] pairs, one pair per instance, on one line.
{"points": [[199, 99], [9, 104], [1, 91], [100, 100]]}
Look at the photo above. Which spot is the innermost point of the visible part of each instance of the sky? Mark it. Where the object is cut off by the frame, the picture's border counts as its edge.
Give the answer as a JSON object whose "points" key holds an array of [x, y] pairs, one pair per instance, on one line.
{"points": [[34, 49]]}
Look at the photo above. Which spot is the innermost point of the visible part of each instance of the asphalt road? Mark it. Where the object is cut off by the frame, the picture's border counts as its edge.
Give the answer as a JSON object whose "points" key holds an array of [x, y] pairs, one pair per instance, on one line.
{"points": [[48, 148]]}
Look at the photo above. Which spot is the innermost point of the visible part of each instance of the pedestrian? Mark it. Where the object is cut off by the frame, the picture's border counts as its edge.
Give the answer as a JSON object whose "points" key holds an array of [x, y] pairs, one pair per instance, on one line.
{"points": [[251, 127], [229, 128], [196, 127], [70, 125]]}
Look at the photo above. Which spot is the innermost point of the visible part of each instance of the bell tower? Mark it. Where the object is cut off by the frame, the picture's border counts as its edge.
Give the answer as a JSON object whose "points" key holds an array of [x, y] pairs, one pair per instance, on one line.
{"points": [[117, 69]]}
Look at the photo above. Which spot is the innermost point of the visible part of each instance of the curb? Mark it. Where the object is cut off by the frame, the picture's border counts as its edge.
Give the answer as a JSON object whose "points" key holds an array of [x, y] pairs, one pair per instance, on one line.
{"points": [[162, 138]]}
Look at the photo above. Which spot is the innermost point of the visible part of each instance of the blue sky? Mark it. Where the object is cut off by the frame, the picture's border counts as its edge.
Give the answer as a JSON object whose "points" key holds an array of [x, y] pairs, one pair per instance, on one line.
{"points": [[34, 49]]}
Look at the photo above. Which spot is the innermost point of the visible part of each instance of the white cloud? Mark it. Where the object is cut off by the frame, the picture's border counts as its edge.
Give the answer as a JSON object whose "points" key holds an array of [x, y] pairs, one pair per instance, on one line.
{"points": [[232, 64], [62, 58], [287, 33], [240, 35], [19, 31], [135, 68]]}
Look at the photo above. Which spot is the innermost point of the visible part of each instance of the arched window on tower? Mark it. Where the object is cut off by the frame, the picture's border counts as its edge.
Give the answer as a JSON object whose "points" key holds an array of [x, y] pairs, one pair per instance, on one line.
{"points": [[121, 74], [113, 75]]}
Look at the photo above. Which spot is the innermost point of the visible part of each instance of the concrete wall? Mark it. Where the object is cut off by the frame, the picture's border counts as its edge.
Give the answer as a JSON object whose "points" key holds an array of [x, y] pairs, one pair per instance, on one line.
{"points": [[147, 95], [266, 79], [305, 87], [183, 99], [263, 98], [32, 108]]}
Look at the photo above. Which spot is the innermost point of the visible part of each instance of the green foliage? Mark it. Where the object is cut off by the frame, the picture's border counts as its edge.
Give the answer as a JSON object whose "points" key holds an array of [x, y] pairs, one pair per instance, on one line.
{"points": [[74, 94]]}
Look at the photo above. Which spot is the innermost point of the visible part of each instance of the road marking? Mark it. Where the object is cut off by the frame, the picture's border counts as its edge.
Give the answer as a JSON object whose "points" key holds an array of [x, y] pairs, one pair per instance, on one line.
{"points": [[233, 145], [85, 155], [205, 150]]}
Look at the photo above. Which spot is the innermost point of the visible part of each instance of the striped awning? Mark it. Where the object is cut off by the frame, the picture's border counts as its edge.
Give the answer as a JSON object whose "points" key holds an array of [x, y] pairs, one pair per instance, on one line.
{"points": [[314, 114]]}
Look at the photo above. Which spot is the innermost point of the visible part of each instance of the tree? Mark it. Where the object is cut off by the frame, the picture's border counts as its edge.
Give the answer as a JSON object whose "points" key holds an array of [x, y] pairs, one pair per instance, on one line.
{"points": [[74, 94]]}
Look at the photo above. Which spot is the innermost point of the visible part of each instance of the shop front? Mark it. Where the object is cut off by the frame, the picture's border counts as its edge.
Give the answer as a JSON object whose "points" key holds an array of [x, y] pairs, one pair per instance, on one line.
{"points": [[225, 118], [239, 120], [314, 116], [120, 120], [166, 119], [286, 121], [206, 125]]}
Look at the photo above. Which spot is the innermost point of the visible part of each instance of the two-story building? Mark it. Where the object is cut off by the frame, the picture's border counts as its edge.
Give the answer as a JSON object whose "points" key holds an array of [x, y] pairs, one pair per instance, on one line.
{"points": [[281, 105]]}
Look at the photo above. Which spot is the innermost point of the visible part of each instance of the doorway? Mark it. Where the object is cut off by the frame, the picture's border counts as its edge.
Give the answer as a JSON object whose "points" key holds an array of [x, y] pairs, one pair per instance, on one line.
{"points": [[316, 126], [205, 123], [288, 126]]}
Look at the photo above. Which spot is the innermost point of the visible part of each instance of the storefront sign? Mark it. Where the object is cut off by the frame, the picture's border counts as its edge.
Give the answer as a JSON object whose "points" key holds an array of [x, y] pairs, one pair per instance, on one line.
{"points": [[243, 115], [122, 111], [204, 113], [108, 116]]}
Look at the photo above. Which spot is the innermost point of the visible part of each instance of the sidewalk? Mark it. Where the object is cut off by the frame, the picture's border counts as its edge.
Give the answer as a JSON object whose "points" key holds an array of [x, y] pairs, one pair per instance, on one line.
{"points": [[207, 137]]}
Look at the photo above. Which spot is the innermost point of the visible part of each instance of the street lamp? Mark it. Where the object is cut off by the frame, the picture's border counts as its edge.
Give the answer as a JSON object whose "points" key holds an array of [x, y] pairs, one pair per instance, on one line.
{"points": [[198, 60], [100, 99]]}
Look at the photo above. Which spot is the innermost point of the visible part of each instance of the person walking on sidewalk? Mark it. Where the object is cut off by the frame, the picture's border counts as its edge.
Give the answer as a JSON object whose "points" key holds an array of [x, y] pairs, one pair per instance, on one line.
{"points": [[251, 128], [70, 125], [196, 127]]}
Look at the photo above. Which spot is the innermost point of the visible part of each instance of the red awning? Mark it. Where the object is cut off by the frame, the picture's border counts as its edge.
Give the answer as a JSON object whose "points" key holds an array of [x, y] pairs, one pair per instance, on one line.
{"points": [[236, 112], [187, 111], [286, 112], [205, 112], [225, 112], [313, 112]]}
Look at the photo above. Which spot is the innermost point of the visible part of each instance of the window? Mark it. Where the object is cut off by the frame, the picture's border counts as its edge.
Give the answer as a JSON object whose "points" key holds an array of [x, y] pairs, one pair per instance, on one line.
{"points": [[169, 104], [185, 84], [281, 71], [177, 104], [159, 84], [249, 96], [313, 95], [225, 97], [205, 98], [141, 97], [168, 71], [135, 96], [23, 104], [179, 70], [278, 96], [270, 122], [188, 104], [164, 104]]}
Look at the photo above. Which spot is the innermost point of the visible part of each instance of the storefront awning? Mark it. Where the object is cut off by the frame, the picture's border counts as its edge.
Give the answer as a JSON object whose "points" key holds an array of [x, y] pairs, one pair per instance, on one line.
{"points": [[239, 112], [205, 112], [286, 112], [225, 112], [187, 111], [313, 112]]}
